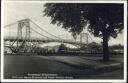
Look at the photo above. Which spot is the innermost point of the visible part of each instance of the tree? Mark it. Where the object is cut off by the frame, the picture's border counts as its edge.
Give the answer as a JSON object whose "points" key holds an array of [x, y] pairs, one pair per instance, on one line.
{"points": [[105, 20]]}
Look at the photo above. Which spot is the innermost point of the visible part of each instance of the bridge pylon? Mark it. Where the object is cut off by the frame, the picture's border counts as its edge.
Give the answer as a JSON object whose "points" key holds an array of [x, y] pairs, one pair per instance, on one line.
{"points": [[23, 43], [84, 38]]}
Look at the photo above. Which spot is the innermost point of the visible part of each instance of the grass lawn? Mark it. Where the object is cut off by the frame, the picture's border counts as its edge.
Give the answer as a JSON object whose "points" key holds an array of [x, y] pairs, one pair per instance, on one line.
{"points": [[22, 65]]}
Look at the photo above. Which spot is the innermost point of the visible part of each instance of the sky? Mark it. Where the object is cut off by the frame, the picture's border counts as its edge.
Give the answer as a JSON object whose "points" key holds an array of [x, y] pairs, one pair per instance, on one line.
{"points": [[14, 11]]}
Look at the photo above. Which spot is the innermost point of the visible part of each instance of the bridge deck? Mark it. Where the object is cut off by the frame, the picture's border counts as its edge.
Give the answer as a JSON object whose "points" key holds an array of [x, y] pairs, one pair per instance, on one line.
{"points": [[43, 40]]}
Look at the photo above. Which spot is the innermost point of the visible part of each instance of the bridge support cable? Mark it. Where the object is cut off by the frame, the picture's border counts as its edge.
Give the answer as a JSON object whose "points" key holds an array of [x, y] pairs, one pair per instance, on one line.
{"points": [[45, 30], [10, 25], [40, 34]]}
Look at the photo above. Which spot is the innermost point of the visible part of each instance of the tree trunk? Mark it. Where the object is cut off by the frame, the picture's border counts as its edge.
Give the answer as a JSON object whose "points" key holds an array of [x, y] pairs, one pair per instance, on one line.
{"points": [[105, 46]]}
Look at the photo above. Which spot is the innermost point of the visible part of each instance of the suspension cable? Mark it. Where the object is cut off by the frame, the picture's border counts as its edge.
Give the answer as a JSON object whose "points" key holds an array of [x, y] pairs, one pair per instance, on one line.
{"points": [[10, 24], [44, 30], [40, 33]]}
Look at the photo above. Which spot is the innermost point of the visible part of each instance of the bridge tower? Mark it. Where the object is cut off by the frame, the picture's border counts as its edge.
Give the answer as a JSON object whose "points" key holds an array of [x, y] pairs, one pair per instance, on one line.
{"points": [[84, 38], [23, 43]]}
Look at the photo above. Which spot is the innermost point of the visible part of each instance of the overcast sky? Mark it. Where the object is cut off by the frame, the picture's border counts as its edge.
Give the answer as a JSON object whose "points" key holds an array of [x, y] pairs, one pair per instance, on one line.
{"points": [[15, 11]]}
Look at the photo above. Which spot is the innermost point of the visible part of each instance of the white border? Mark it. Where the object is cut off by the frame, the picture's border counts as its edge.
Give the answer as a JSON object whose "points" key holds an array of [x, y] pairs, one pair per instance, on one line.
{"points": [[2, 32], [67, 80], [125, 41]]}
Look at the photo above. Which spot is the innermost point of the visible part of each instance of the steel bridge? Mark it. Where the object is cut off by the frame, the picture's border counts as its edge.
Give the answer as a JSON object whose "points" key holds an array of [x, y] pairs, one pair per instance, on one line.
{"points": [[24, 35]]}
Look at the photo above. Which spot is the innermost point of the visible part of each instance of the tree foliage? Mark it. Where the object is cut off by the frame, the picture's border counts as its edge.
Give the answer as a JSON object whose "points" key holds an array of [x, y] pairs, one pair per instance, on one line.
{"points": [[75, 16]]}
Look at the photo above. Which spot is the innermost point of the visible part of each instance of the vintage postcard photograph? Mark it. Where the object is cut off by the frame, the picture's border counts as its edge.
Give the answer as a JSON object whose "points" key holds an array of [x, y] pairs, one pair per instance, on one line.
{"points": [[64, 40]]}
